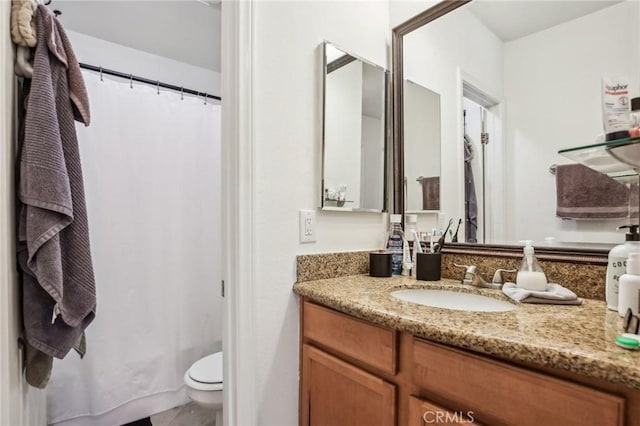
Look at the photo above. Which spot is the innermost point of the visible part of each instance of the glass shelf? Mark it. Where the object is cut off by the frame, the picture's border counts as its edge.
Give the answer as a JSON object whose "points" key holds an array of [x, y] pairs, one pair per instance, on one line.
{"points": [[619, 159]]}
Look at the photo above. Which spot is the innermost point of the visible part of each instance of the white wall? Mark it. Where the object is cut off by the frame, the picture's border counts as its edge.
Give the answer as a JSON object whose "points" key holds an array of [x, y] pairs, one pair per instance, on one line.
{"points": [[569, 60], [102, 53], [421, 138], [434, 57], [343, 132], [20, 404], [286, 138], [372, 176]]}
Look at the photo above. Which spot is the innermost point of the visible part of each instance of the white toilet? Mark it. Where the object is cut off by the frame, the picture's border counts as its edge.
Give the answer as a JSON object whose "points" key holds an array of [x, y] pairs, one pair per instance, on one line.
{"points": [[204, 383]]}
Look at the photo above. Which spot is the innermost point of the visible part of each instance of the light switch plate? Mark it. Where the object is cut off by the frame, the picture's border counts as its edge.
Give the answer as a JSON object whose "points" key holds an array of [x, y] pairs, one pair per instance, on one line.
{"points": [[307, 226]]}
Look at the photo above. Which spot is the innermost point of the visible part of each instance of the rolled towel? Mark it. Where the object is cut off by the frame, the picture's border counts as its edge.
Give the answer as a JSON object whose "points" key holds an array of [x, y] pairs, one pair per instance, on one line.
{"points": [[554, 295]]}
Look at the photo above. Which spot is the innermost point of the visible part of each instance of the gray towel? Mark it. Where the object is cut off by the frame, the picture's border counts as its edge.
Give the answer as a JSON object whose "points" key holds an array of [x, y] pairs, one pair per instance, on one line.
{"points": [[634, 200], [582, 193], [431, 193], [470, 199], [59, 297], [554, 295]]}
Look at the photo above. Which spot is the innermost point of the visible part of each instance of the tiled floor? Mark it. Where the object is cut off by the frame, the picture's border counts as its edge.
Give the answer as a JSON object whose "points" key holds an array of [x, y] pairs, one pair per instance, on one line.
{"points": [[186, 415]]}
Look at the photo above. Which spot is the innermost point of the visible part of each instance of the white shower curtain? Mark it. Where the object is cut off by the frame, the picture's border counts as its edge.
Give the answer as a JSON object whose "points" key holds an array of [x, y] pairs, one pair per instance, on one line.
{"points": [[151, 167]]}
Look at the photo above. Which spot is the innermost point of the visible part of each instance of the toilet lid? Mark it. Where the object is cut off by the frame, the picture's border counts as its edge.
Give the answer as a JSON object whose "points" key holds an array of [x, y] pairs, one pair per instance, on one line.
{"points": [[208, 369]]}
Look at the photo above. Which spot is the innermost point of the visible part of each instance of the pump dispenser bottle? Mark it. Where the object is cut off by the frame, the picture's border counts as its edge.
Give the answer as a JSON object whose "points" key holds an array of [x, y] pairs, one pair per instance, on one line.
{"points": [[630, 286], [617, 264], [530, 275]]}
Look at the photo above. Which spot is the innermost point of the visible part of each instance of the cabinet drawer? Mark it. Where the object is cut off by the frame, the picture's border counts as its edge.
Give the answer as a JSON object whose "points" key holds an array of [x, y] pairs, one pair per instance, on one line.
{"points": [[334, 392], [501, 394], [422, 413], [370, 344]]}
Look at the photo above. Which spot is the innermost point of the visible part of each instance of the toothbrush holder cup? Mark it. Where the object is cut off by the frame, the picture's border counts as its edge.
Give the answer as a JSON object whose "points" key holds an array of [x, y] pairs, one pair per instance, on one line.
{"points": [[380, 264], [429, 266]]}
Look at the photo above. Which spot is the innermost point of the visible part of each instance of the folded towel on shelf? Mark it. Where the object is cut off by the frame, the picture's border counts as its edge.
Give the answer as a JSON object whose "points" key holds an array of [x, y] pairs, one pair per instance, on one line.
{"points": [[431, 193], [554, 295], [582, 193]]}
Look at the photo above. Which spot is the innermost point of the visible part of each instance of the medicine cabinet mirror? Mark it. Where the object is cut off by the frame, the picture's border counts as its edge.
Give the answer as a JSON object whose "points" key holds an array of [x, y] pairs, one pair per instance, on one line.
{"points": [[354, 132], [516, 82]]}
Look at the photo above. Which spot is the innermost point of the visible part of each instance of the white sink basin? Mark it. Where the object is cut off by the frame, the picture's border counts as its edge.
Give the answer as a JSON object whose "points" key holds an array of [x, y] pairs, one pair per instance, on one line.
{"points": [[453, 300]]}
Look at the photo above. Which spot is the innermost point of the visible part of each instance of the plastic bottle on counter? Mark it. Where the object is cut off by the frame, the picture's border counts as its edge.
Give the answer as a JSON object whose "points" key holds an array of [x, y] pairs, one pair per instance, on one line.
{"points": [[410, 224], [530, 275], [617, 264], [629, 296], [395, 243]]}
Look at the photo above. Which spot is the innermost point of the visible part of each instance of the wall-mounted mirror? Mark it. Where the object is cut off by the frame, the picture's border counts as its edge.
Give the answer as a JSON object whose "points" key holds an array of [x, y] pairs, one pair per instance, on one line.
{"points": [[422, 148], [517, 81], [354, 132]]}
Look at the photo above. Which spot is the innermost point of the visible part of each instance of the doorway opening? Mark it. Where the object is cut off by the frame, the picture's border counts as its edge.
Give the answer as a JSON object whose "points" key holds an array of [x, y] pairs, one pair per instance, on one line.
{"points": [[483, 165]]}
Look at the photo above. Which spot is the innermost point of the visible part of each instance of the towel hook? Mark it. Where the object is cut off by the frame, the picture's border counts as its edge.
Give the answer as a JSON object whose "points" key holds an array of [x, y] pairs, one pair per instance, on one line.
{"points": [[553, 168], [158, 86], [131, 81], [101, 74]]}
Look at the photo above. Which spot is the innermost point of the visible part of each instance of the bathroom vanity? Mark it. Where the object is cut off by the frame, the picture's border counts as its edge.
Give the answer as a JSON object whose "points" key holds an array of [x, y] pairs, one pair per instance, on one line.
{"points": [[369, 358]]}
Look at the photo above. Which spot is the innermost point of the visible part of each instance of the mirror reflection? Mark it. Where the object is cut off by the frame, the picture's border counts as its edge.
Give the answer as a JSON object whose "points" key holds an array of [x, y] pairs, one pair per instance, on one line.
{"points": [[520, 83], [354, 132], [422, 143]]}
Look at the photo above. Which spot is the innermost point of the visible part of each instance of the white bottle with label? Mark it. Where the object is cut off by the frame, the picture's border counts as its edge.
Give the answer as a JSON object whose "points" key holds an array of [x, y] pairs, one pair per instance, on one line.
{"points": [[617, 263], [530, 275], [395, 243], [629, 295]]}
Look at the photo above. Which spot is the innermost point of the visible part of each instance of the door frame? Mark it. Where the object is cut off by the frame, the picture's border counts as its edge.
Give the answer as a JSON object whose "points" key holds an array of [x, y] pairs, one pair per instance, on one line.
{"points": [[238, 336], [495, 198]]}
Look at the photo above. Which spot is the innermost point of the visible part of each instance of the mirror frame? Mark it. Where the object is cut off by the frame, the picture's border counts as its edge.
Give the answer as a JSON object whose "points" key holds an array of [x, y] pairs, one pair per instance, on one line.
{"points": [[573, 255], [387, 136]]}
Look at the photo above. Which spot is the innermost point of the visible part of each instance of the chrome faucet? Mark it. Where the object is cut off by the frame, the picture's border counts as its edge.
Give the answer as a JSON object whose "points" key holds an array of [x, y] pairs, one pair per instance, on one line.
{"points": [[472, 277]]}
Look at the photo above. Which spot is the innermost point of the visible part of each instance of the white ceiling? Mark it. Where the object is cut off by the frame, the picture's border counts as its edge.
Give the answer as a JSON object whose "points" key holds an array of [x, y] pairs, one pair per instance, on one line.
{"points": [[189, 30], [186, 30], [512, 19]]}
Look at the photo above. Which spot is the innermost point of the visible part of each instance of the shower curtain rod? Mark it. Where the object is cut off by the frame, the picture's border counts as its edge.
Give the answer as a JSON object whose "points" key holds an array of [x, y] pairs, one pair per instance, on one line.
{"points": [[147, 81]]}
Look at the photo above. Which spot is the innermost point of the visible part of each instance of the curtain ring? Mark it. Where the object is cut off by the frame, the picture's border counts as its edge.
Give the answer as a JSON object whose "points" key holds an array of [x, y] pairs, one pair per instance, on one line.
{"points": [[158, 86], [182, 93], [101, 74], [131, 81]]}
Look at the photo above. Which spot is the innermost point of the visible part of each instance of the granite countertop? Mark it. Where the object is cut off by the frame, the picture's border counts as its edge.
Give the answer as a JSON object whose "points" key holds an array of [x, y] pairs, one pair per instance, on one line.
{"points": [[579, 339]]}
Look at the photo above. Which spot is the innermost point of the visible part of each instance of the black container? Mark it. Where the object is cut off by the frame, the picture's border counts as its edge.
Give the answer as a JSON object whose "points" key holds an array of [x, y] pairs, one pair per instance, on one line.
{"points": [[429, 266], [380, 264]]}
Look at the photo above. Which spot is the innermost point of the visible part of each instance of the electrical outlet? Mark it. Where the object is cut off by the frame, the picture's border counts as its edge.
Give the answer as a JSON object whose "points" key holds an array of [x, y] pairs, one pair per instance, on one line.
{"points": [[307, 226]]}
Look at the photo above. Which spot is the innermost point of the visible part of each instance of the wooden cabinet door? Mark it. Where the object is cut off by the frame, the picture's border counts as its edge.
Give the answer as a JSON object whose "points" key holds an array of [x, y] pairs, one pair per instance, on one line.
{"points": [[424, 413], [335, 393]]}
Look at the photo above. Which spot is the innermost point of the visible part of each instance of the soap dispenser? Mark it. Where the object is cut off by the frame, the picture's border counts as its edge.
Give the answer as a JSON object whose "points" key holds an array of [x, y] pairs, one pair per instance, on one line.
{"points": [[530, 275], [617, 264]]}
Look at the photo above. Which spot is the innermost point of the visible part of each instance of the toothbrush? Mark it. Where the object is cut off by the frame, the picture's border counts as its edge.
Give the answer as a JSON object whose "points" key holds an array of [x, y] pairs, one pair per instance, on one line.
{"points": [[433, 233], [454, 239], [440, 243]]}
